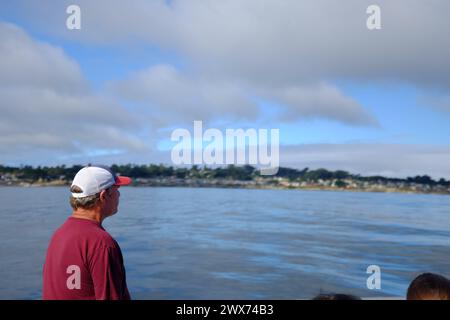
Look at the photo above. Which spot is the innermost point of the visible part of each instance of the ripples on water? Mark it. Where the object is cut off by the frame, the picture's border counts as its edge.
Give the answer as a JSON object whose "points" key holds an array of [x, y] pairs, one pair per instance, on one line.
{"points": [[188, 243]]}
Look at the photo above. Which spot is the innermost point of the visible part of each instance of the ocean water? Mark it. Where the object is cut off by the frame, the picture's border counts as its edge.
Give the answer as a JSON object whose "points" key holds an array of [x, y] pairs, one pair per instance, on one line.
{"points": [[193, 243]]}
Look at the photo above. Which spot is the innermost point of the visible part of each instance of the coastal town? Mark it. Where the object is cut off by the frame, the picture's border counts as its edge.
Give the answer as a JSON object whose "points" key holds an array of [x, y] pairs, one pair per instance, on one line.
{"points": [[230, 177]]}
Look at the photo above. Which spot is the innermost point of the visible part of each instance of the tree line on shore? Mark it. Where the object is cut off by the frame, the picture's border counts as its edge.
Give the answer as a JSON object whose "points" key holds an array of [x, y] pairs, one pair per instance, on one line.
{"points": [[231, 172]]}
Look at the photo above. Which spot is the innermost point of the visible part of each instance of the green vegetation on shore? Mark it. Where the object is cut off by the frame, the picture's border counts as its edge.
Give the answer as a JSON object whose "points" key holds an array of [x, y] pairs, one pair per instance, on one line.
{"points": [[231, 176]]}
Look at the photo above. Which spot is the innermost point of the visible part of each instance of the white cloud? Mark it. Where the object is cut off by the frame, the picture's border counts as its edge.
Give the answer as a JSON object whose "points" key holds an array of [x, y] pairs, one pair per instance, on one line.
{"points": [[46, 104], [392, 160], [269, 42], [28, 63], [439, 102], [321, 100], [172, 96]]}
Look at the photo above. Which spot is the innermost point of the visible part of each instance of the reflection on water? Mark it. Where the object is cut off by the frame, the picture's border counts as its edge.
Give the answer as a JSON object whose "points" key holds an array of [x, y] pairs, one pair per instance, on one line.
{"points": [[187, 243]]}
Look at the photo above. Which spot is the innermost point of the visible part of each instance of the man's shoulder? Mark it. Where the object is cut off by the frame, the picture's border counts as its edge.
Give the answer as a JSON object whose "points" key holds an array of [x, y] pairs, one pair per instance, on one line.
{"points": [[106, 240], [86, 231]]}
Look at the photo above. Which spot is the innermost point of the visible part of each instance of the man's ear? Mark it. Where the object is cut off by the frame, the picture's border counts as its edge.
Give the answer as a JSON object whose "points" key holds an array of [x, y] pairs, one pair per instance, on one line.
{"points": [[103, 195]]}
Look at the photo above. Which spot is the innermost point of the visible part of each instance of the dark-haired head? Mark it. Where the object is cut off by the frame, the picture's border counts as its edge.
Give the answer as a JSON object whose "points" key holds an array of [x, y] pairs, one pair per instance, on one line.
{"points": [[429, 286]]}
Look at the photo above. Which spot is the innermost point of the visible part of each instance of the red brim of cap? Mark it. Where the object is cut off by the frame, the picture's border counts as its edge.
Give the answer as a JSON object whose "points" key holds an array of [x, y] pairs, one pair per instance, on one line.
{"points": [[122, 181]]}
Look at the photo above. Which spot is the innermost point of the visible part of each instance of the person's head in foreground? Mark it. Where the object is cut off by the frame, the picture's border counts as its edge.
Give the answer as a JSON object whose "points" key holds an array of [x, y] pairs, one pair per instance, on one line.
{"points": [[336, 296], [95, 192], [83, 261], [429, 286]]}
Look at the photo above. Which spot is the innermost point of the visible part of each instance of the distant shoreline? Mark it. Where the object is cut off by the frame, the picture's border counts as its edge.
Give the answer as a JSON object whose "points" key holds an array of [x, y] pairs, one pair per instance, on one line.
{"points": [[230, 184], [237, 177]]}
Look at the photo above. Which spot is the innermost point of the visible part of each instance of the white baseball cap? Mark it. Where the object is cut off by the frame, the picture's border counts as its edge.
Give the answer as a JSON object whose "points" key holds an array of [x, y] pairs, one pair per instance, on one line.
{"points": [[93, 179]]}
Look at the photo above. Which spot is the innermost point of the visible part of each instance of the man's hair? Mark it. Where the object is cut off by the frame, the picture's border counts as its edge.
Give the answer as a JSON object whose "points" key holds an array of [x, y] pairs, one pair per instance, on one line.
{"points": [[88, 202], [336, 296], [429, 286]]}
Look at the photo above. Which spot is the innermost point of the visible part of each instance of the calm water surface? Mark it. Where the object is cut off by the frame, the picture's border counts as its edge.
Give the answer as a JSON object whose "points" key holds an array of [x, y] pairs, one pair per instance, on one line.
{"points": [[188, 243]]}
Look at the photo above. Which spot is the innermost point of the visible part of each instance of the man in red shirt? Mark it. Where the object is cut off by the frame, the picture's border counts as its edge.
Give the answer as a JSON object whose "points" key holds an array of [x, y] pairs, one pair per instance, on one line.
{"points": [[83, 261]]}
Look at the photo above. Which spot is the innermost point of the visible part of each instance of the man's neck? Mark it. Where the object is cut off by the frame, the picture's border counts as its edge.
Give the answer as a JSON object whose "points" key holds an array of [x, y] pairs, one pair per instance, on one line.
{"points": [[88, 215]]}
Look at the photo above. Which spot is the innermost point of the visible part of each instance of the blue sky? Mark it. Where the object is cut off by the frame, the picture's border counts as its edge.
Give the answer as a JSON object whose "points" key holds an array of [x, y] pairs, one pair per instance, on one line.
{"points": [[138, 71]]}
